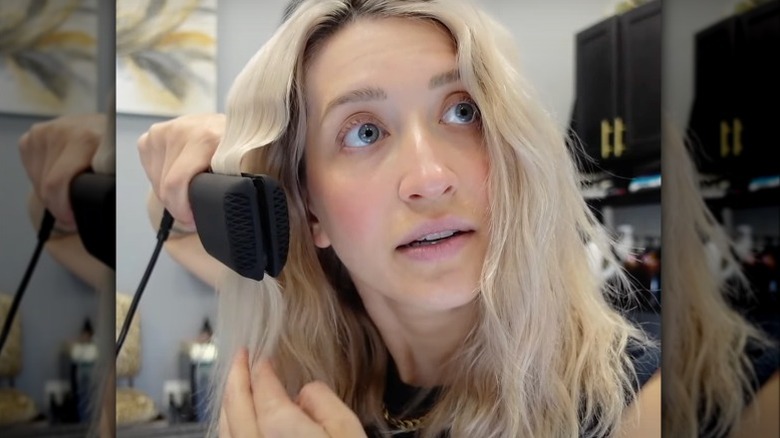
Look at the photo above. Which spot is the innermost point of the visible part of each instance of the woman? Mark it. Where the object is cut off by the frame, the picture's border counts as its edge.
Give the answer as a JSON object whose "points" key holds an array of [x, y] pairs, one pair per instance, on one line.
{"points": [[437, 282]]}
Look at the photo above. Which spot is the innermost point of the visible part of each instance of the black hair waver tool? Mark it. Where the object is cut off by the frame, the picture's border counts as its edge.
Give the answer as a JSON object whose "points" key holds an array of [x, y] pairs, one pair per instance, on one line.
{"points": [[242, 221], [93, 199]]}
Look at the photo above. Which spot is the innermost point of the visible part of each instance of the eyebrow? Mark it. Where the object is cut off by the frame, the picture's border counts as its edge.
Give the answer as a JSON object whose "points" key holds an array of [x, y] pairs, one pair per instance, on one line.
{"points": [[373, 93], [359, 95], [444, 79]]}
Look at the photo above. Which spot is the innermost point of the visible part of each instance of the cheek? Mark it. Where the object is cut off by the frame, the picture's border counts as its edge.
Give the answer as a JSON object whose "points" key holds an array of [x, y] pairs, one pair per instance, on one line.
{"points": [[478, 172], [350, 213]]}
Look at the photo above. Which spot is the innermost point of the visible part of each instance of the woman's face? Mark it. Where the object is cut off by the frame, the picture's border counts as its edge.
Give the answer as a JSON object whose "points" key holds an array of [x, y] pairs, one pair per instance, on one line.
{"points": [[395, 157]]}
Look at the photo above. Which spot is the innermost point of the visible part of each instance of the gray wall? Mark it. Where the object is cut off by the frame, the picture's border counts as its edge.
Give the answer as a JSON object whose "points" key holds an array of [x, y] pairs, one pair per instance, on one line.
{"points": [[175, 303]]}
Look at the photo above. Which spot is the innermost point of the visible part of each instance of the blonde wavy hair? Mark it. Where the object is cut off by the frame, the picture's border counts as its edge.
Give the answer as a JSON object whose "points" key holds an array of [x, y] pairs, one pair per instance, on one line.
{"points": [[547, 355], [708, 372]]}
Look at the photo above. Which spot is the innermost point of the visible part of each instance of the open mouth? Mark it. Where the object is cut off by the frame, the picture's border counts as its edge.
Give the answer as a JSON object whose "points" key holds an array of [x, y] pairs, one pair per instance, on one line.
{"points": [[434, 239]]}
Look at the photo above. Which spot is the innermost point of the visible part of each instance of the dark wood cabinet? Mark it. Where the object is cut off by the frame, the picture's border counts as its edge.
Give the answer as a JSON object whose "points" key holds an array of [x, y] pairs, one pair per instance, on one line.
{"points": [[713, 124], [734, 115], [760, 101], [617, 113], [641, 72], [596, 88]]}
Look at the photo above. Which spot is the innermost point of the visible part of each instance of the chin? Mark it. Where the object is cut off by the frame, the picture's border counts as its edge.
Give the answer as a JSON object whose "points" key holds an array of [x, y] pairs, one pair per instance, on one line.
{"points": [[441, 297]]}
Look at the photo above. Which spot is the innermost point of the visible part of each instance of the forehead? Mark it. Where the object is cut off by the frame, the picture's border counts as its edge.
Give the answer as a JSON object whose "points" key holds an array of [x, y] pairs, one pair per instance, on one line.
{"points": [[380, 48]]}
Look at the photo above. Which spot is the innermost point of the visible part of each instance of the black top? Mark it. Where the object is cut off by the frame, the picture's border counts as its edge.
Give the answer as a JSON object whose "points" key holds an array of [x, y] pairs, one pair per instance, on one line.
{"points": [[766, 362], [399, 394]]}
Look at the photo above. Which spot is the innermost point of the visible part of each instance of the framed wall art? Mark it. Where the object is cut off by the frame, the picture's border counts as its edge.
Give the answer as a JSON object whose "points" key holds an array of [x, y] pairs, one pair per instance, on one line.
{"points": [[166, 56]]}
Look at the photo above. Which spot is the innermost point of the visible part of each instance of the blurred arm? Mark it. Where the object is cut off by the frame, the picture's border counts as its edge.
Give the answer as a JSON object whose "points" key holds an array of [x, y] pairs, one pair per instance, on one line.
{"points": [[643, 417], [759, 419], [68, 250]]}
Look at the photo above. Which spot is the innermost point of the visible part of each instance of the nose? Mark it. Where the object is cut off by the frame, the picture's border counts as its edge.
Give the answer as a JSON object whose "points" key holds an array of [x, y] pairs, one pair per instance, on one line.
{"points": [[426, 174]]}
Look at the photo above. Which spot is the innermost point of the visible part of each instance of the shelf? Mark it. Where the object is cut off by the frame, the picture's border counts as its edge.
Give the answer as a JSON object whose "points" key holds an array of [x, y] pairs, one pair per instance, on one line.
{"points": [[625, 198], [735, 199], [745, 199]]}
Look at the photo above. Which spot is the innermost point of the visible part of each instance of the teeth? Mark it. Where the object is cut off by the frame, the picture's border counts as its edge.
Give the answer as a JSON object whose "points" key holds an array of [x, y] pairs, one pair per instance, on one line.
{"points": [[437, 236]]}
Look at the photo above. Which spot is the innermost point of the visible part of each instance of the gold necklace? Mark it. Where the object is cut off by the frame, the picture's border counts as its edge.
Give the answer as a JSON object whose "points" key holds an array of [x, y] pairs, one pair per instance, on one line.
{"points": [[404, 425]]}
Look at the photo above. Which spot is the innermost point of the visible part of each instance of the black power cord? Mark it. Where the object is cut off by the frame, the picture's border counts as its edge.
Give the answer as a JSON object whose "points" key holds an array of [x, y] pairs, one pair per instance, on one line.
{"points": [[47, 224], [162, 235]]}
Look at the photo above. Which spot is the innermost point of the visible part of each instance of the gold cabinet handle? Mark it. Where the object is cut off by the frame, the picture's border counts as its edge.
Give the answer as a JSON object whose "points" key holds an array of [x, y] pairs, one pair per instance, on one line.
{"points": [[620, 128], [724, 138], [737, 137], [606, 130]]}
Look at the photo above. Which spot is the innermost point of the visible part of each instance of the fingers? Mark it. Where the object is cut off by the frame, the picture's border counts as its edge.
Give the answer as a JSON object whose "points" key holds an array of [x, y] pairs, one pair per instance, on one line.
{"points": [[268, 393], [54, 152], [237, 402], [59, 172], [320, 403], [257, 404], [177, 175], [151, 164], [32, 163], [173, 152], [224, 429], [276, 414]]}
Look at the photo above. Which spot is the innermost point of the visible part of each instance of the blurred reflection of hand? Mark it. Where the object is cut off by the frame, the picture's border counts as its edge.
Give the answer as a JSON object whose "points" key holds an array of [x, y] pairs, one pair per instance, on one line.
{"points": [[54, 152]]}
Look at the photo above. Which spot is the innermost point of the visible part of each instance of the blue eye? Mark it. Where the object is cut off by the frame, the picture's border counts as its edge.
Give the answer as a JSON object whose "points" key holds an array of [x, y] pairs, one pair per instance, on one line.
{"points": [[362, 135], [461, 113]]}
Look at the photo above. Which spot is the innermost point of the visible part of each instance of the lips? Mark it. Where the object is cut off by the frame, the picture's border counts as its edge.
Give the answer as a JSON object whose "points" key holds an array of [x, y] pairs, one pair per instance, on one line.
{"points": [[432, 232], [435, 238]]}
